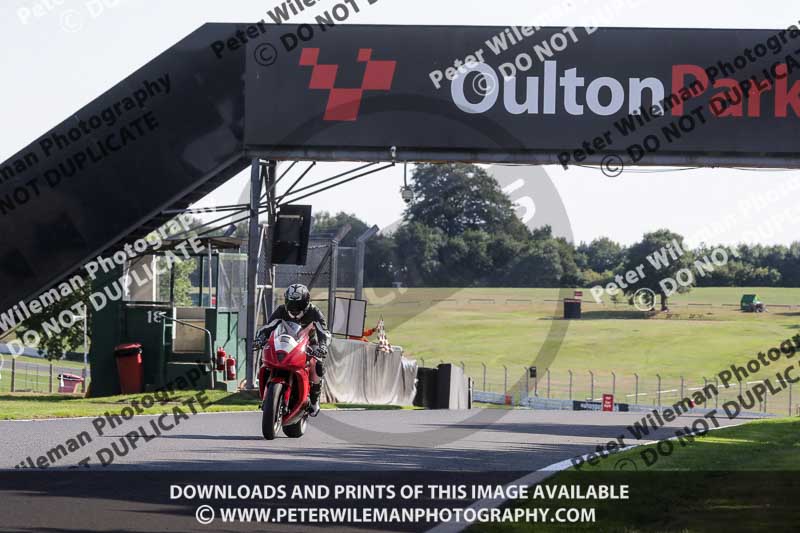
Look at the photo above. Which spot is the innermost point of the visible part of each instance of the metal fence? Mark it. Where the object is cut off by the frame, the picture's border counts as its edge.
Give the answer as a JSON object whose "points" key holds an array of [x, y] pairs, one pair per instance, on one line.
{"points": [[688, 308], [515, 386], [40, 377]]}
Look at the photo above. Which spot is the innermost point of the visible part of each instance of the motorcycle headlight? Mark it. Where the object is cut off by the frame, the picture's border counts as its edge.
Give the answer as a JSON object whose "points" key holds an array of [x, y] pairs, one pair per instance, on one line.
{"points": [[281, 355]]}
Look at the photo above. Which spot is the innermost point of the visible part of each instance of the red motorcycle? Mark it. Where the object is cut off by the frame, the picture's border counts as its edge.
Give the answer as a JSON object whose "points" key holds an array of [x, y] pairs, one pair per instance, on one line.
{"points": [[285, 394]]}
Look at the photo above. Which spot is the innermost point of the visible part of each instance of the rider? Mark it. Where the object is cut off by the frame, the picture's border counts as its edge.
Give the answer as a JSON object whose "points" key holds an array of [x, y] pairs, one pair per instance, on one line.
{"points": [[299, 309]]}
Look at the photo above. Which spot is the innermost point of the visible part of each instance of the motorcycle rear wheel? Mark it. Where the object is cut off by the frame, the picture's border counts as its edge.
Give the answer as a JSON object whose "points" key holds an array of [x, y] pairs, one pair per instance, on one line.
{"points": [[272, 411]]}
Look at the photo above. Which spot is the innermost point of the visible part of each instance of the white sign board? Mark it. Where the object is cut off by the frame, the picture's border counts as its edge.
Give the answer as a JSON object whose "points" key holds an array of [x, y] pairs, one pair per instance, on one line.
{"points": [[349, 317]]}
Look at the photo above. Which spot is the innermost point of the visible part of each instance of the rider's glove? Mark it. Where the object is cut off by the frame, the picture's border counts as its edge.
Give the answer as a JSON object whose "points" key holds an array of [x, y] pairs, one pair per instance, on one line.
{"points": [[316, 351]]}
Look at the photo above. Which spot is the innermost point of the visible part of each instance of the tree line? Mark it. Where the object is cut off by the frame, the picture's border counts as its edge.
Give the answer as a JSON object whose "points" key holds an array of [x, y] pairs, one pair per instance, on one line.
{"points": [[462, 231]]}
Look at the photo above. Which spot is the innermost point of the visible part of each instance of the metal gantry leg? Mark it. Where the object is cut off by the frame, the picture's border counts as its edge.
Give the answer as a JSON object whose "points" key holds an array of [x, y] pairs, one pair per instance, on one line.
{"points": [[272, 215], [333, 284], [252, 269]]}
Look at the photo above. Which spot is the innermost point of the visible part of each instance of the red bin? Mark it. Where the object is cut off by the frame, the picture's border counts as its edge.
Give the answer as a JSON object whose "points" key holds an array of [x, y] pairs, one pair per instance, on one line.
{"points": [[130, 368], [68, 383]]}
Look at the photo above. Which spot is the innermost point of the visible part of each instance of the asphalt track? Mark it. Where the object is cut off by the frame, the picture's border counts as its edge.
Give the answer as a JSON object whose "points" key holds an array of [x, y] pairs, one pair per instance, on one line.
{"points": [[358, 446], [520, 440]]}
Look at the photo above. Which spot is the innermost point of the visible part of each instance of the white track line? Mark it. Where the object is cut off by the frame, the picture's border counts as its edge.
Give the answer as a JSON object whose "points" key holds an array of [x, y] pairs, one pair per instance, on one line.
{"points": [[534, 478]]}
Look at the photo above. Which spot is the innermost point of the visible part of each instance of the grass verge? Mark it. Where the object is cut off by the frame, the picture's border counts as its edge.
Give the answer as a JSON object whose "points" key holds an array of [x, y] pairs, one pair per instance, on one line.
{"points": [[25, 406], [764, 445], [742, 478]]}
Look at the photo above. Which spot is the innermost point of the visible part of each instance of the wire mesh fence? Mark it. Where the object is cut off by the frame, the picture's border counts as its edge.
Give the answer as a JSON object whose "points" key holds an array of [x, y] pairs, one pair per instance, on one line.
{"points": [[41, 377], [515, 385]]}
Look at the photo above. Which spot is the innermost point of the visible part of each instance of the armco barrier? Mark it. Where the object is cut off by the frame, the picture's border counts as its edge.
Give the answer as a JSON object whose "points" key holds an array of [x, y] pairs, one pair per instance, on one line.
{"points": [[488, 397], [533, 402], [551, 404], [548, 404]]}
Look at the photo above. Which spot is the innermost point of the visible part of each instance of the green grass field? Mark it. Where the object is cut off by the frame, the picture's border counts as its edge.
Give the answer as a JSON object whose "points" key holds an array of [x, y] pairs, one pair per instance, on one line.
{"points": [[25, 406], [27, 381], [462, 325], [742, 478], [695, 342], [33, 406], [765, 445]]}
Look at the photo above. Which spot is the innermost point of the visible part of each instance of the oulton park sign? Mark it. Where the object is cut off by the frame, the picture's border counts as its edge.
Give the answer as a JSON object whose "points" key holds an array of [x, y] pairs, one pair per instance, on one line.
{"points": [[366, 88], [226, 94]]}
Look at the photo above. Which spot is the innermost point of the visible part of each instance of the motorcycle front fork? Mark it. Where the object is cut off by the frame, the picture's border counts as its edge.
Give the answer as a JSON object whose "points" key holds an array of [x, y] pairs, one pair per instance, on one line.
{"points": [[313, 378]]}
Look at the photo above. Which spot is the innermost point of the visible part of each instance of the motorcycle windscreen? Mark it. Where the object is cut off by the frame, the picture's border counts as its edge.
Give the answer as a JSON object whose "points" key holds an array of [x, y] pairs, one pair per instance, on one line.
{"points": [[292, 329], [286, 337]]}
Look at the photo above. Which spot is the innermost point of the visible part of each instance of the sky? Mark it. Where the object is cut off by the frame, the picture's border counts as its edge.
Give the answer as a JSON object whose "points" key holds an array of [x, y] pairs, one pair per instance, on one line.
{"points": [[60, 54]]}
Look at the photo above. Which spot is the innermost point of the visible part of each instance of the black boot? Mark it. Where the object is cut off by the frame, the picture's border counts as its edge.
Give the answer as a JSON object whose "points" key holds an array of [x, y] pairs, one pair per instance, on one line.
{"points": [[313, 408]]}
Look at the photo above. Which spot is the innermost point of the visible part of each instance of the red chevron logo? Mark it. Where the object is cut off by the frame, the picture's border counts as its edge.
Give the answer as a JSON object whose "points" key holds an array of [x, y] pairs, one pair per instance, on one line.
{"points": [[344, 103]]}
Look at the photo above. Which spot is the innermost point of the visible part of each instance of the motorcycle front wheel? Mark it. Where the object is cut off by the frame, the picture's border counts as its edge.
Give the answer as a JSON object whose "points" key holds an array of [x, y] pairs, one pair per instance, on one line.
{"points": [[298, 429], [272, 411]]}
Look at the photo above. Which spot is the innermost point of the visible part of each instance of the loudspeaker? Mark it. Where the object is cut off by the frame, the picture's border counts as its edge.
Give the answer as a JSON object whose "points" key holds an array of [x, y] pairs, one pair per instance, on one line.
{"points": [[290, 235]]}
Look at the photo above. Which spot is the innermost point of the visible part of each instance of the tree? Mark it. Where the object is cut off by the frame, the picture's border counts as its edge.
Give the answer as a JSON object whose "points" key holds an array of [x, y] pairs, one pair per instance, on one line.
{"points": [[418, 248], [380, 262], [790, 269], [570, 274], [503, 251], [659, 255], [602, 254], [457, 197], [58, 332], [325, 222], [538, 265], [185, 270], [466, 260]]}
